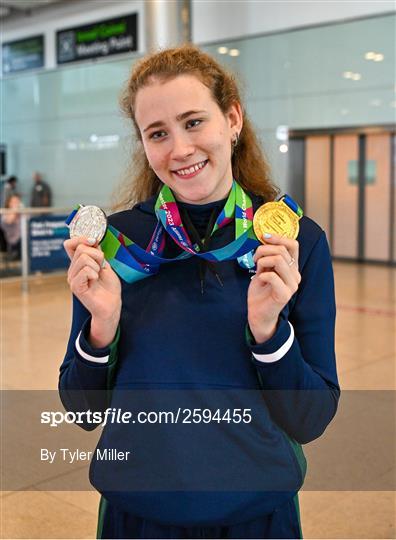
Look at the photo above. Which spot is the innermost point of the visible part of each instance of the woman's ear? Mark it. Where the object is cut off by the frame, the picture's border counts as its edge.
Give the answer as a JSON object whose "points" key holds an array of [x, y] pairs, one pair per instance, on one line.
{"points": [[235, 117]]}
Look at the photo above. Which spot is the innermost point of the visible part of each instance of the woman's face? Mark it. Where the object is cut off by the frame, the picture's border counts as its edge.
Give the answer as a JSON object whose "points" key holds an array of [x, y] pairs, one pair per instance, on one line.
{"points": [[187, 138]]}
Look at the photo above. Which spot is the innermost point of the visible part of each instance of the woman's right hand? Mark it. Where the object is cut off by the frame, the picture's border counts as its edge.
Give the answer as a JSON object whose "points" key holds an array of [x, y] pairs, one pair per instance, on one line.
{"points": [[97, 286]]}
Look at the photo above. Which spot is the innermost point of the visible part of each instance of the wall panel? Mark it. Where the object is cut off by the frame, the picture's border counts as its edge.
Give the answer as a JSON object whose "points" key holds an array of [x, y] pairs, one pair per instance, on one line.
{"points": [[317, 180], [345, 196], [377, 197]]}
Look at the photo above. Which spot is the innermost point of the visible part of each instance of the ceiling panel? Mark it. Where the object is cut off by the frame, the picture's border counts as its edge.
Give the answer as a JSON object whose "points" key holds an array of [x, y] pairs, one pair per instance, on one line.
{"points": [[27, 4], [14, 7]]}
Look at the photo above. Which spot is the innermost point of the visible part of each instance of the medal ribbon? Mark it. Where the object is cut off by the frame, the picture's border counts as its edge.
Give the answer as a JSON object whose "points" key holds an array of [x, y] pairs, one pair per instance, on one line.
{"points": [[131, 262], [286, 199], [70, 218]]}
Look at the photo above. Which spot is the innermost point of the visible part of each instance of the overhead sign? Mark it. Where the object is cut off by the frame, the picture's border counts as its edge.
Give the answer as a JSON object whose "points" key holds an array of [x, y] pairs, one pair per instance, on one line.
{"points": [[103, 38], [23, 54]]}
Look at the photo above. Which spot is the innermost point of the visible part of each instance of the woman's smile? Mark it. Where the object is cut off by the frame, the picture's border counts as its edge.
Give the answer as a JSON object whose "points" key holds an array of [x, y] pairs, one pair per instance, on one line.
{"points": [[191, 171]]}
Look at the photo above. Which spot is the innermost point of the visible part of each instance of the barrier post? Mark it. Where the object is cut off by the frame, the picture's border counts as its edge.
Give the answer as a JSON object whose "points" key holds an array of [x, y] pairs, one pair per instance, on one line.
{"points": [[24, 252]]}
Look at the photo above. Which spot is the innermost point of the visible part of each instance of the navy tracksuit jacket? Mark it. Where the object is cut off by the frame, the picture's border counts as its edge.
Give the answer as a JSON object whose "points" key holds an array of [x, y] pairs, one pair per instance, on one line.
{"points": [[195, 348]]}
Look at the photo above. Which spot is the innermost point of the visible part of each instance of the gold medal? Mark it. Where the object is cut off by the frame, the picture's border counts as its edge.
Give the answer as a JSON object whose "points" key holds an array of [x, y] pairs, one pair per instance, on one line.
{"points": [[276, 218]]}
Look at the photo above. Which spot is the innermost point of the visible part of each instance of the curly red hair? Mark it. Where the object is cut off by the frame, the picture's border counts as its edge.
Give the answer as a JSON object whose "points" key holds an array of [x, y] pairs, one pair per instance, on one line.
{"points": [[249, 166]]}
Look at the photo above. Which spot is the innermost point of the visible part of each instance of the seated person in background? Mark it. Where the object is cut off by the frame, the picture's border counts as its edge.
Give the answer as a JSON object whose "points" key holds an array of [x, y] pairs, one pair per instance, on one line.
{"points": [[11, 226], [9, 187]]}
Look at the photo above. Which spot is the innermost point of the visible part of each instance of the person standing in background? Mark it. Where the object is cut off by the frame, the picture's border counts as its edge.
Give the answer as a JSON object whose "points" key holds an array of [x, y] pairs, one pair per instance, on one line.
{"points": [[41, 192]]}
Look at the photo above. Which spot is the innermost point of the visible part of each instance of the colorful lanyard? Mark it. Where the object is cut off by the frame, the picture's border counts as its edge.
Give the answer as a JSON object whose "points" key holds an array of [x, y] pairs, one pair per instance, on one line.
{"points": [[132, 263]]}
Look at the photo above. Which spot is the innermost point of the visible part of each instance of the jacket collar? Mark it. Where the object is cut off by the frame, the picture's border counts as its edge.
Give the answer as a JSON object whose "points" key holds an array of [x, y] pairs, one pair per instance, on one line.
{"points": [[148, 206]]}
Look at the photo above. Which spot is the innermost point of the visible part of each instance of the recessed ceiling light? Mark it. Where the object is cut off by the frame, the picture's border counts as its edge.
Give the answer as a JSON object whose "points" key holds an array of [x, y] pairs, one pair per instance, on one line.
{"points": [[375, 56], [222, 50], [282, 133], [283, 148], [352, 75], [234, 52]]}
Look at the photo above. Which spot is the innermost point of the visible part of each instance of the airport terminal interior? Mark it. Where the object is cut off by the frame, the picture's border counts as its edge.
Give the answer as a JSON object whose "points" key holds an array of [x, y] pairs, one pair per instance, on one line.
{"points": [[319, 84]]}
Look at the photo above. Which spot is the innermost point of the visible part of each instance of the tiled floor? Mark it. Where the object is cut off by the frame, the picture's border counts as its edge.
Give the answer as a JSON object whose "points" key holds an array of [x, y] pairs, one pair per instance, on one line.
{"points": [[35, 327]]}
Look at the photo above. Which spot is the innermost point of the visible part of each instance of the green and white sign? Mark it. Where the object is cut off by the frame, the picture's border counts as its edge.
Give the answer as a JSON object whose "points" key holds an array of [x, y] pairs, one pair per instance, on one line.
{"points": [[102, 38]]}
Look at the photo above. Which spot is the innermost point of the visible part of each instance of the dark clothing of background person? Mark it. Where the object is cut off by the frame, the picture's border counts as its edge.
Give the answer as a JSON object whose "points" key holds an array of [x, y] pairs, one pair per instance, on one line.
{"points": [[41, 194]]}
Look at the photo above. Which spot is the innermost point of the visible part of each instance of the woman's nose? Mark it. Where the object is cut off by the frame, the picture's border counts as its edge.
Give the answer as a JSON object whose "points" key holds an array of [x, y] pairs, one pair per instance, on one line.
{"points": [[182, 147]]}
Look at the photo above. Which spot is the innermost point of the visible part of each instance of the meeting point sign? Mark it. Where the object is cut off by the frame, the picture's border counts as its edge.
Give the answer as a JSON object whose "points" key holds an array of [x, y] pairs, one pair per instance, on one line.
{"points": [[102, 38]]}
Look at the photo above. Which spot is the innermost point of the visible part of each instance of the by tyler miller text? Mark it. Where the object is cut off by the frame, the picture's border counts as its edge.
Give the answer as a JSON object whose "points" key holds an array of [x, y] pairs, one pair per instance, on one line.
{"points": [[74, 456]]}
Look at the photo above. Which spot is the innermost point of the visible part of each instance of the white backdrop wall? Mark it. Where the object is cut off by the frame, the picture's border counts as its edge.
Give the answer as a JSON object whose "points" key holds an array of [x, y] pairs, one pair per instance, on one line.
{"points": [[216, 20]]}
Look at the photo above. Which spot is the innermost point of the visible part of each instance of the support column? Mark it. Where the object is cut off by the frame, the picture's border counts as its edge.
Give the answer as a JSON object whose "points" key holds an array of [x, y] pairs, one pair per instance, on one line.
{"points": [[167, 22]]}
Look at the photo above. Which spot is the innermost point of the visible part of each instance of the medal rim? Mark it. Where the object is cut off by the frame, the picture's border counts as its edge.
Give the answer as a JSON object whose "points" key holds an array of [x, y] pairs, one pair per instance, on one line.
{"points": [[269, 207], [98, 237]]}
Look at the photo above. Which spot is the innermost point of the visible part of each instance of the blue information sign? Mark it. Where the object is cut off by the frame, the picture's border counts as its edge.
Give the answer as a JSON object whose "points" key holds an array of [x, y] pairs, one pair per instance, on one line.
{"points": [[23, 54], [46, 237]]}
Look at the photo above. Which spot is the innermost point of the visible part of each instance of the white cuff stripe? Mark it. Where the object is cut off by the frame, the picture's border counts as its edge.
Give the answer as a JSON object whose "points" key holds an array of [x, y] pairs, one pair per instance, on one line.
{"points": [[86, 356], [280, 353]]}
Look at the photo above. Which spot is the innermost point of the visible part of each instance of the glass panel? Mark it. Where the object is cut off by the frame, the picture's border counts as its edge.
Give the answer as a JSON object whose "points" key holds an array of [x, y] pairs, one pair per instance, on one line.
{"points": [[297, 79], [66, 123], [377, 198]]}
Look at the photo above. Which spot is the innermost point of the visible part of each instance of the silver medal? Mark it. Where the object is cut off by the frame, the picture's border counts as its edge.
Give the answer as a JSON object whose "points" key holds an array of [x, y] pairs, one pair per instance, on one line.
{"points": [[90, 222]]}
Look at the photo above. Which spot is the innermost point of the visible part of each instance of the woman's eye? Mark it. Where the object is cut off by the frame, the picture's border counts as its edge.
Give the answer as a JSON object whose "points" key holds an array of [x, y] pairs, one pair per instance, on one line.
{"points": [[193, 123], [157, 134]]}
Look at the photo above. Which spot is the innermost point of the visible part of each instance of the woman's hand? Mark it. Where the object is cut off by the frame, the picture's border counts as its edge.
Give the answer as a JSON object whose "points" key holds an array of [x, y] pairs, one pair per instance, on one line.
{"points": [[276, 280], [96, 285]]}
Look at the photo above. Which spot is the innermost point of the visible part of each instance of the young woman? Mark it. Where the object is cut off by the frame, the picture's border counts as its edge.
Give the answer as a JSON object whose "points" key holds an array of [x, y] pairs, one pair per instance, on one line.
{"points": [[207, 319]]}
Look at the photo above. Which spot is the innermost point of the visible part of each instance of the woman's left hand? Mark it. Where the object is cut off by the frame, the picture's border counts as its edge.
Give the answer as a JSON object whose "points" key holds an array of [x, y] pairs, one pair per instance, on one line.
{"points": [[276, 280]]}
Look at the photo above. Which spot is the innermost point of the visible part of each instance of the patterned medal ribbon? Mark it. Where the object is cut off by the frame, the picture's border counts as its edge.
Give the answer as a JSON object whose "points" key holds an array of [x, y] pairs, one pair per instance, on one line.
{"points": [[292, 205], [131, 262]]}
